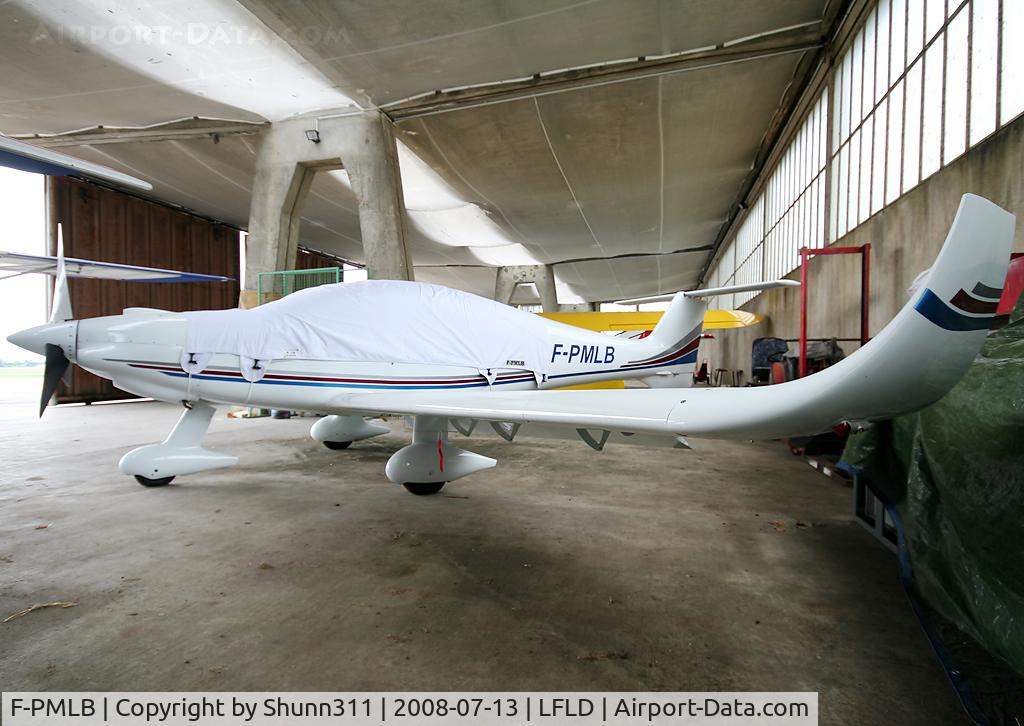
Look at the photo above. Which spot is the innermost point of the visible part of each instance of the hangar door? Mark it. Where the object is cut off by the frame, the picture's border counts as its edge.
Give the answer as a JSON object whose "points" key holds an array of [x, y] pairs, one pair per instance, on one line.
{"points": [[107, 225]]}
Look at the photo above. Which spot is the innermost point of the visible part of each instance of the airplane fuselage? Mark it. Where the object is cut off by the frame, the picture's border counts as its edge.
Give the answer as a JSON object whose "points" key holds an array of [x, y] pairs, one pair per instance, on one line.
{"points": [[141, 352]]}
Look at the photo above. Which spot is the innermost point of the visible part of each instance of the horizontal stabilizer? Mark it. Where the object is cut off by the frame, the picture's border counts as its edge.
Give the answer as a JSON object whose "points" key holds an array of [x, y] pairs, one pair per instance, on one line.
{"points": [[712, 291], [730, 289], [18, 264]]}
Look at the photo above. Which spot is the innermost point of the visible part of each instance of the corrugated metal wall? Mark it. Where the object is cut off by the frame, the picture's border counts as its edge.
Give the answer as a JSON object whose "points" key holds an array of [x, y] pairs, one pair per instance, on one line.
{"points": [[102, 224], [306, 259]]}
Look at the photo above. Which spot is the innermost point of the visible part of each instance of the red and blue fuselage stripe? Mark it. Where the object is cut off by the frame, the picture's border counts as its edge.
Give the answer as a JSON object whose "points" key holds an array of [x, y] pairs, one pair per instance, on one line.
{"points": [[287, 379], [688, 354]]}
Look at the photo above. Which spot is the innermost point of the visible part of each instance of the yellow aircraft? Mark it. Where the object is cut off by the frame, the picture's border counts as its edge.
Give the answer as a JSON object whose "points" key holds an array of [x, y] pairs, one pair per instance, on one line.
{"points": [[645, 320]]}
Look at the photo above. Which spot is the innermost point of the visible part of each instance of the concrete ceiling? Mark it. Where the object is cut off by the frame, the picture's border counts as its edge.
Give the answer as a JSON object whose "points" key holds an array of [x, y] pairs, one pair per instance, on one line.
{"points": [[378, 55], [623, 184], [648, 166]]}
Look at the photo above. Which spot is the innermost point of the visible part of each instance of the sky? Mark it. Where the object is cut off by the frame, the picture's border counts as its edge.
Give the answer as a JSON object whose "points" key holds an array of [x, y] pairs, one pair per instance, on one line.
{"points": [[22, 229]]}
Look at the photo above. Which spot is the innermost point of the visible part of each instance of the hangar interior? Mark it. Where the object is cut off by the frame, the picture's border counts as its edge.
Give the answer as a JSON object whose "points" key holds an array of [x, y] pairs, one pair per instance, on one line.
{"points": [[559, 156]]}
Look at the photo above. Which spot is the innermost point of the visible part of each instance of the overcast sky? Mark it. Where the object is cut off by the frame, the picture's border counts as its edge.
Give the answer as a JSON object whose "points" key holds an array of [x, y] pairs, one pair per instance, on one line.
{"points": [[22, 229]]}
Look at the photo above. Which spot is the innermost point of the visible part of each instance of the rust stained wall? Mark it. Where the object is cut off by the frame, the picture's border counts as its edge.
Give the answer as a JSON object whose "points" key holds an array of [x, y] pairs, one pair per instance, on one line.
{"points": [[106, 225]]}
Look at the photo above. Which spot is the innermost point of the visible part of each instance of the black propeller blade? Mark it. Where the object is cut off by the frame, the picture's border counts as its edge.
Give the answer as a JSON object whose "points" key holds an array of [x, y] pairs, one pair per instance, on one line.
{"points": [[56, 365]]}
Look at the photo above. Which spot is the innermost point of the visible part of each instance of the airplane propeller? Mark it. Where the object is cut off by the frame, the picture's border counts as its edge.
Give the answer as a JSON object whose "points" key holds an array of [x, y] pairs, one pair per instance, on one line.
{"points": [[57, 367]]}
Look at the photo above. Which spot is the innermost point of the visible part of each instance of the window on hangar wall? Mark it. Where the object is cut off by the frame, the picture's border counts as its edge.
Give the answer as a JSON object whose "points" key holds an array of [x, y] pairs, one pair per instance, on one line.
{"points": [[920, 83]]}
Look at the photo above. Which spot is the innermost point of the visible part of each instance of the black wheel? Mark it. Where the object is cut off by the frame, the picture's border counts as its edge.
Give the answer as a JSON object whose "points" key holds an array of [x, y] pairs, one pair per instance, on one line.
{"points": [[161, 482], [337, 444], [422, 489]]}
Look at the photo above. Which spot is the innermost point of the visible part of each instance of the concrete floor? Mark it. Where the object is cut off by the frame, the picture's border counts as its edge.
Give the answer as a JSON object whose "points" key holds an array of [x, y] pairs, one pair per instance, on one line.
{"points": [[305, 569]]}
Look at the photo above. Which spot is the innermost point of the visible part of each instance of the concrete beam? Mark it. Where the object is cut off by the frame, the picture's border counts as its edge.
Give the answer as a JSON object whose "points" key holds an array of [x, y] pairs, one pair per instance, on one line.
{"points": [[179, 130], [810, 72], [511, 277], [786, 40], [362, 144]]}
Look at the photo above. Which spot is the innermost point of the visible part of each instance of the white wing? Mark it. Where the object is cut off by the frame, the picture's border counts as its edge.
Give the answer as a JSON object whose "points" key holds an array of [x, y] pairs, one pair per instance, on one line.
{"points": [[913, 362], [28, 157], [16, 263]]}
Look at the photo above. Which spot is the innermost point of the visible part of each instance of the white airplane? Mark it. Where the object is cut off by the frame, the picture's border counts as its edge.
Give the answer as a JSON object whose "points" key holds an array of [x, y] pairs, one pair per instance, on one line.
{"points": [[449, 358]]}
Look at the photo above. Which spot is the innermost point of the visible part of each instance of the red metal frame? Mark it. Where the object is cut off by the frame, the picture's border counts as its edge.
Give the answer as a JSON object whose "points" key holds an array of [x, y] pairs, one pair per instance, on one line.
{"points": [[1013, 288], [806, 253]]}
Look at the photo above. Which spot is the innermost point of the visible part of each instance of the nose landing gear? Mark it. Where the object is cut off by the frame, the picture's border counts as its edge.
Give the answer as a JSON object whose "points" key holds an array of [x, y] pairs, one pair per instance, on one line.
{"points": [[147, 482], [180, 453], [423, 489]]}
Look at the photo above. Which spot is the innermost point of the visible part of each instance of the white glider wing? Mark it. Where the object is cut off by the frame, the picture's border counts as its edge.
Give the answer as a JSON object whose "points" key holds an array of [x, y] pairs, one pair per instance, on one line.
{"points": [[28, 157], [17, 264], [913, 362]]}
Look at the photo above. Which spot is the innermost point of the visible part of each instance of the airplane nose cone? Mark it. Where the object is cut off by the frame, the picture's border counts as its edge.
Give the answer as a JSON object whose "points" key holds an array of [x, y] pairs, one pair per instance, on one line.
{"points": [[31, 339], [35, 339]]}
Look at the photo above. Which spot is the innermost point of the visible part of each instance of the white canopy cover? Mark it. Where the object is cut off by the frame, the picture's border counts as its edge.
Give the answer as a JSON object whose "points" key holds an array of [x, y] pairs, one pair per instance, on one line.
{"points": [[378, 321]]}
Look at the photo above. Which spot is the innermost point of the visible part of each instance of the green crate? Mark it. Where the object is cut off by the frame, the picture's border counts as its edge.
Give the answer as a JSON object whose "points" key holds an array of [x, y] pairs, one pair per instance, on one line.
{"points": [[275, 285]]}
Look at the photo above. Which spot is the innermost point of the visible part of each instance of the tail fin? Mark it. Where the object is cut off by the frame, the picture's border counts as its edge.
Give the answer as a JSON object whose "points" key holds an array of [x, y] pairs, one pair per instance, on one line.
{"points": [[683, 320], [674, 339]]}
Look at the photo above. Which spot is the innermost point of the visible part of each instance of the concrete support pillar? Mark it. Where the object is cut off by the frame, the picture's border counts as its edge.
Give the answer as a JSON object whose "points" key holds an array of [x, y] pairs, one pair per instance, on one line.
{"points": [[505, 286], [546, 288], [377, 182], [543, 276], [287, 161], [274, 218]]}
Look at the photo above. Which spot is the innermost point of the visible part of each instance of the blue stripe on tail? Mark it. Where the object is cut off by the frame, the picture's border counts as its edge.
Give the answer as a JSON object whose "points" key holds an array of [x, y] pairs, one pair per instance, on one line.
{"points": [[931, 306]]}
